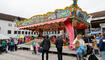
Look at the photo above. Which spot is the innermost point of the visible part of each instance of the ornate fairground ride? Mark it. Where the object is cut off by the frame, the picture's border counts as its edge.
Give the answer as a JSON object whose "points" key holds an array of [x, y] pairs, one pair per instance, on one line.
{"points": [[70, 18]]}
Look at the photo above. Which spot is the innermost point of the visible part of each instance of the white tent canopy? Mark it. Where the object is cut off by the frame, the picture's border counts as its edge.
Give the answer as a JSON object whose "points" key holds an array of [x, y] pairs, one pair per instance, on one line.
{"points": [[4, 36]]}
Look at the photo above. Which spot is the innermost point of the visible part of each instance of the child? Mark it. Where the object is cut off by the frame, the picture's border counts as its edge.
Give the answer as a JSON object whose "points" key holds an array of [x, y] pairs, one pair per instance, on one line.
{"points": [[32, 49], [37, 48], [94, 44]]}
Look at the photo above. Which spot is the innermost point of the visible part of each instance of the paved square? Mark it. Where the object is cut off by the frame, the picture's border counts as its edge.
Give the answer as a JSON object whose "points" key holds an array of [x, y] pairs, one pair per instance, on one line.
{"points": [[26, 55]]}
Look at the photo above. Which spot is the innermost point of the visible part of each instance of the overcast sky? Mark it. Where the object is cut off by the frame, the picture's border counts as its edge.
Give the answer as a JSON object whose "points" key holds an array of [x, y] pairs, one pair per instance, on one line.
{"points": [[28, 8]]}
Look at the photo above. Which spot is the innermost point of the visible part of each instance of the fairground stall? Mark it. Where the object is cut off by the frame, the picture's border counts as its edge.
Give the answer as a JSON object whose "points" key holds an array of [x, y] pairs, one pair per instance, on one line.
{"points": [[102, 27], [69, 18]]}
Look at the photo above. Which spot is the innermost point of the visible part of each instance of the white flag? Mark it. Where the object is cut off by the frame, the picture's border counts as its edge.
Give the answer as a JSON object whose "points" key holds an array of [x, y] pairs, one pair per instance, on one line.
{"points": [[89, 19]]}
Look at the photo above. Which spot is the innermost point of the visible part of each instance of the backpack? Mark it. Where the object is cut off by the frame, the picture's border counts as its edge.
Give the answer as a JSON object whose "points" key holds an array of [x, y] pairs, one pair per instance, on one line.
{"points": [[59, 43], [46, 44], [92, 57], [12, 43]]}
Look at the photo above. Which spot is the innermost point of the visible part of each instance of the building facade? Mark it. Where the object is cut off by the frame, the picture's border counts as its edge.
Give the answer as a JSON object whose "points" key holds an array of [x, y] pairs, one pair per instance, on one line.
{"points": [[8, 27], [98, 18]]}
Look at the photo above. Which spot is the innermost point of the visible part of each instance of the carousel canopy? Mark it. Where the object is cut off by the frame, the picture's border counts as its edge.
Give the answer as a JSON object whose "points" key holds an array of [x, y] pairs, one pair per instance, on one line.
{"points": [[72, 13]]}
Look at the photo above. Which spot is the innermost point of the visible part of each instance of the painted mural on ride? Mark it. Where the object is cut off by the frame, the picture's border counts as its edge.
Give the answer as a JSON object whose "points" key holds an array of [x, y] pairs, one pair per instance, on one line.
{"points": [[79, 17]]}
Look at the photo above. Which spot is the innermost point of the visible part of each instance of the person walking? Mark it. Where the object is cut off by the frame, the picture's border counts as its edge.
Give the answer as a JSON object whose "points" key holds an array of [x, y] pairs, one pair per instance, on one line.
{"points": [[46, 46], [4, 44], [80, 47], [37, 48], [34, 47], [102, 47], [0, 48], [12, 45], [16, 47], [59, 44], [9, 44]]}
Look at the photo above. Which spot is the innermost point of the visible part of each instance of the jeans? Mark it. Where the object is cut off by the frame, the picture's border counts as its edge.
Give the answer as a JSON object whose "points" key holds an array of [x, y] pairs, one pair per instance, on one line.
{"points": [[80, 56], [45, 51], [103, 55], [59, 50], [12, 48], [34, 49]]}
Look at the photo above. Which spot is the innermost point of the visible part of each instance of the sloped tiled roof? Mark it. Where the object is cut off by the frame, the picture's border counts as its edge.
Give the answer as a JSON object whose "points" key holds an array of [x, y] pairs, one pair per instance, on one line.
{"points": [[9, 17], [98, 14]]}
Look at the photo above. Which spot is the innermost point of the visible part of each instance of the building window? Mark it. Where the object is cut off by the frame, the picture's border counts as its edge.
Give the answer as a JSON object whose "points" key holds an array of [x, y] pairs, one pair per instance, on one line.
{"points": [[29, 32], [9, 31], [26, 32], [15, 32], [19, 32], [22, 32], [32, 33], [50, 32], [58, 32], [9, 24], [55, 32]]}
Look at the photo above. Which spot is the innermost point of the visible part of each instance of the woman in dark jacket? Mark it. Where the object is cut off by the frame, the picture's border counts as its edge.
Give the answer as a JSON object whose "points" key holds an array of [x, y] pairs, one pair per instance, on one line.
{"points": [[45, 45]]}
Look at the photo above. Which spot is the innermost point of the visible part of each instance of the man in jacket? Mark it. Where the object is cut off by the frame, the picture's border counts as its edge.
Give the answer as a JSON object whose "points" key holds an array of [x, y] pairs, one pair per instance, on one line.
{"points": [[102, 46], [45, 45], [12, 45], [59, 44]]}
